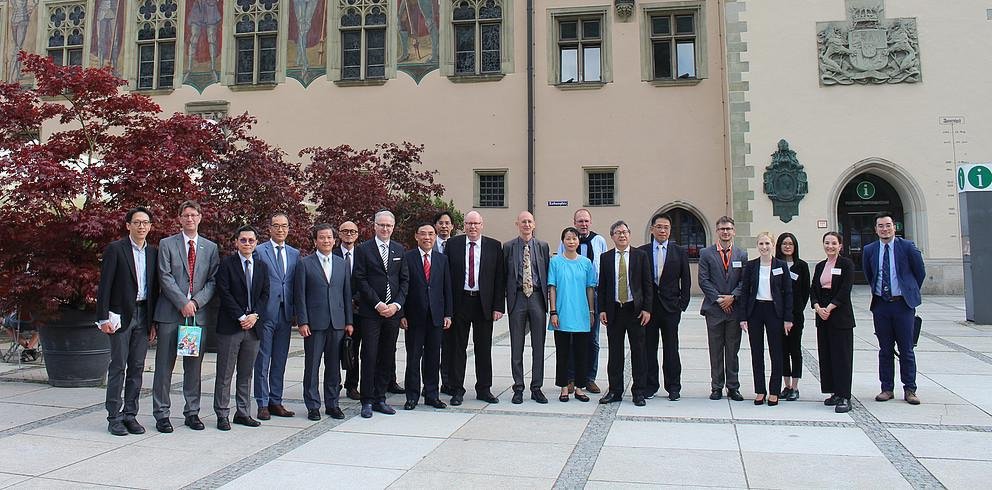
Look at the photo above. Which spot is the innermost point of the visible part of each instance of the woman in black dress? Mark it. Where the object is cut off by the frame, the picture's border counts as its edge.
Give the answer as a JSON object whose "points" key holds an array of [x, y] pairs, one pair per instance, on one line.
{"points": [[787, 249], [830, 295]]}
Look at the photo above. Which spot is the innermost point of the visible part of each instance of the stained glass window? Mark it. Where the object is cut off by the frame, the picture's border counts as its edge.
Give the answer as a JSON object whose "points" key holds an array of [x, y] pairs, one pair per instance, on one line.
{"points": [[478, 36], [256, 25], [363, 39], [156, 28], [66, 29]]}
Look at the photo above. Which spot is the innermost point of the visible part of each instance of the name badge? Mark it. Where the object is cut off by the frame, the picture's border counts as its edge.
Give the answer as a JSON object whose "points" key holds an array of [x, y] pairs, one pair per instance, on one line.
{"points": [[397, 258], [777, 271], [835, 271], [794, 276], [736, 264]]}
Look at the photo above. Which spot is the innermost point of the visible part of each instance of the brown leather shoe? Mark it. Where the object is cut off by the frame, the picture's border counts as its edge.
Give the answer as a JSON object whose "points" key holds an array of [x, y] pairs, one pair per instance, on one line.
{"points": [[263, 413], [884, 396], [354, 394], [592, 387], [280, 411], [911, 398]]}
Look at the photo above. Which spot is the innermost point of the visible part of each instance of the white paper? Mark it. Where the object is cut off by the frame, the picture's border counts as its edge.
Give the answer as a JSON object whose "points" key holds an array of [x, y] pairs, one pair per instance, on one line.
{"points": [[115, 321], [835, 271], [737, 264], [777, 271], [794, 276]]}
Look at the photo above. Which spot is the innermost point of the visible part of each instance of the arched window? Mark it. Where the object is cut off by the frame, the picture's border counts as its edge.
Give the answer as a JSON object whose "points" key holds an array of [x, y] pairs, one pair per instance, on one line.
{"points": [[688, 231]]}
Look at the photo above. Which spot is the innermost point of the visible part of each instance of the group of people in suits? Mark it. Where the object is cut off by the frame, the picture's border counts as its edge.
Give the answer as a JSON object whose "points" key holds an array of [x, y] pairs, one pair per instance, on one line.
{"points": [[450, 288]]}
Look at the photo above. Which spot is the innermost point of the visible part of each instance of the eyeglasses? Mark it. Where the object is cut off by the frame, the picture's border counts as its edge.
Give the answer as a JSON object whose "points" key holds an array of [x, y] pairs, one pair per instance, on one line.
{"points": [[246, 241], [473, 223], [621, 232], [383, 225], [348, 232], [190, 216], [141, 223], [280, 226], [661, 227], [725, 229]]}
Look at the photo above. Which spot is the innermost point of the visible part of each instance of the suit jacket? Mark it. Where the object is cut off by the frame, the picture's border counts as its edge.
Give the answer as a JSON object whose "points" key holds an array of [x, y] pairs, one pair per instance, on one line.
{"points": [[838, 294], [118, 289], [173, 275], [280, 284], [800, 289], [321, 304], [371, 276], [780, 285], [513, 252], [428, 303], [355, 295], [909, 269], [232, 290], [638, 275], [492, 276], [675, 290], [714, 280]]}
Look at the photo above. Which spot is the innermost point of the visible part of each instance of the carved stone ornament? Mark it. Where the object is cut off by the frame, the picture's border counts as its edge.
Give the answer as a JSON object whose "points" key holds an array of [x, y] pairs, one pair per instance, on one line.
{"points": [[625, 8], [785, 182], [868, 48]]}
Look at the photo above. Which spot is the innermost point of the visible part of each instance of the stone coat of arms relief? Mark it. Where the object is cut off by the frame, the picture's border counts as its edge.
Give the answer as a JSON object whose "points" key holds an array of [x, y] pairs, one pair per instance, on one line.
{"points": [[868, 48]]}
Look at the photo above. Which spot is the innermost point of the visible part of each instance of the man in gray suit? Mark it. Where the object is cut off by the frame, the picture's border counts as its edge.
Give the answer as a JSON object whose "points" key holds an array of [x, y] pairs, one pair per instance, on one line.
{"points": [[526, 264], [720, 268], [277, 319], [323, 309], [187, 264]]}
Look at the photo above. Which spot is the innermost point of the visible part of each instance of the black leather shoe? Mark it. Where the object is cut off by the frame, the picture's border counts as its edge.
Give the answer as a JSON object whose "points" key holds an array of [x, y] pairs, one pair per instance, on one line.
{"points": [[353, 394], [639, 401], [611, 397], [843, 406], [313, 414], [395, 389], [735, 395], [518, 397], [409, 405], [194, 422], [674, 396], [793, 395], [383, 407], [163, 425], [335, 413], [117, 428], [366, 410], [436, 403], [487, 397], [716, 394], [133, 427], [456, 400], [538, 396], [831, 401], [582, 397], [223, 423], [246, 421]]}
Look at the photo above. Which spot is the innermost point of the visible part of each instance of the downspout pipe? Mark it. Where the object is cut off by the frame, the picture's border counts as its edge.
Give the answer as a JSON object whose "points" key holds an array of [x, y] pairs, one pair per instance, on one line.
{"points": [[530, 105]]}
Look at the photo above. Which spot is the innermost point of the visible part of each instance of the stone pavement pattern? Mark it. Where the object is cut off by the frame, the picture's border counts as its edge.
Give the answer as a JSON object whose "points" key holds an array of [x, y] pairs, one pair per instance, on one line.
{"points": [[57, 437]]}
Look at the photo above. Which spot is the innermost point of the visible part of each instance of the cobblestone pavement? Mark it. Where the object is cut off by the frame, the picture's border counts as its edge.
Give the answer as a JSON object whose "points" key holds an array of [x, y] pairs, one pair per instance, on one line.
{"points": [[57, 437]]}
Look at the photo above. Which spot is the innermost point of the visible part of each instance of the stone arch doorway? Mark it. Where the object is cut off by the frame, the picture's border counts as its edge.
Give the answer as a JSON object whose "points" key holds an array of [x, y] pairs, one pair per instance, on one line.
{"points": [[689, 228]]}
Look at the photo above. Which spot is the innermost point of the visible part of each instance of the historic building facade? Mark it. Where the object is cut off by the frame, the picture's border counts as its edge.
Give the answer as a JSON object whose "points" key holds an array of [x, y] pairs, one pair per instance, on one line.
{"points": [[626, 107]]}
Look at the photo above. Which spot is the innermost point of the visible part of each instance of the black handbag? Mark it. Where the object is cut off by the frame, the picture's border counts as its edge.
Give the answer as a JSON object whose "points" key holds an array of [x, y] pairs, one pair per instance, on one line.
{"points": [[349, 360]]}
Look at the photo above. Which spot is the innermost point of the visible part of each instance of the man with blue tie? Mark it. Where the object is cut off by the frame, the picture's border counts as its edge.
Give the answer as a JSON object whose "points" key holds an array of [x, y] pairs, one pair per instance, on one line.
{"points": [[277, 319], [894, 269]]}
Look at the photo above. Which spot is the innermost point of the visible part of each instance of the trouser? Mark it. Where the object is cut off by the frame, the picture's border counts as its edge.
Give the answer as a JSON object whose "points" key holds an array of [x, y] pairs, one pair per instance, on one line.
{"points": [[270, 365], [894, 323], [352, 375], [575, 346], [528, 316], [592, 356], [724, 339], [836, 352], [423, 357], [469, 318], [378, 356], [165, 362], [236, 351], [792, 347], [128, 348], [625, 322], [322, 345], [764, 319], [664, 326]]}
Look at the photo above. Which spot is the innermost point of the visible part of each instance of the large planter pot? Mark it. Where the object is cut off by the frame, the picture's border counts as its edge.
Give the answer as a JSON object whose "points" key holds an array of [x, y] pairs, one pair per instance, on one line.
{"points": [[76, 353]]}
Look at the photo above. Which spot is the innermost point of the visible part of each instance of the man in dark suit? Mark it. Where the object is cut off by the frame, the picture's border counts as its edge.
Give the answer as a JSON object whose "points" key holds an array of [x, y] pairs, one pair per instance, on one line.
{"points": [[187, 266], [625, 296], [671, 283], [323, 309], [347, 240], [894, 269], [278, 317], [243, 288], [478, 281], [128, 289], [444, 224], [720, 271], [427, 312], [382, 282], [526, 270]]}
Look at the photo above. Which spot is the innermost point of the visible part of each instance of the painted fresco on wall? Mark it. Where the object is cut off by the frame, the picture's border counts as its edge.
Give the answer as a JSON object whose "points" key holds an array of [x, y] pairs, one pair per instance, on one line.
{"points": [[306, 56], [418, 37], [20, 35], [106, 43], [204, 31]]}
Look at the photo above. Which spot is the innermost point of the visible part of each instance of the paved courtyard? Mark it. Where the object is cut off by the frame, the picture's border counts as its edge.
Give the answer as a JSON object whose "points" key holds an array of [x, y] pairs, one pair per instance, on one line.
{"points": [[57, 437]]}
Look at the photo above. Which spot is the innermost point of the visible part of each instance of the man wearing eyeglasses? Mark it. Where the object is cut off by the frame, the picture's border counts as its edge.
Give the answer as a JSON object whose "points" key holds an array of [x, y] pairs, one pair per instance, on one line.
{"points": [[348, 236], [187, 268], [127, 294], [243, 288], [278, 317]]}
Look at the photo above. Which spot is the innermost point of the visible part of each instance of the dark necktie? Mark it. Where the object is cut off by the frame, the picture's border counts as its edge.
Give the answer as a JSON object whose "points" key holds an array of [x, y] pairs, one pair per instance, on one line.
{"points": [[248, 281], [886, 275], [191, 257], [471, 265], [384, 253], [279, 263], [347, 260]]}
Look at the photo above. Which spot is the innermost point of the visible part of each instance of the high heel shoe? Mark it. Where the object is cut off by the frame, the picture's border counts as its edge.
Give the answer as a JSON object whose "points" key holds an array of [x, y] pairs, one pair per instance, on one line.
{"points": [[793, 395], [760, 401], [772, 403]]}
